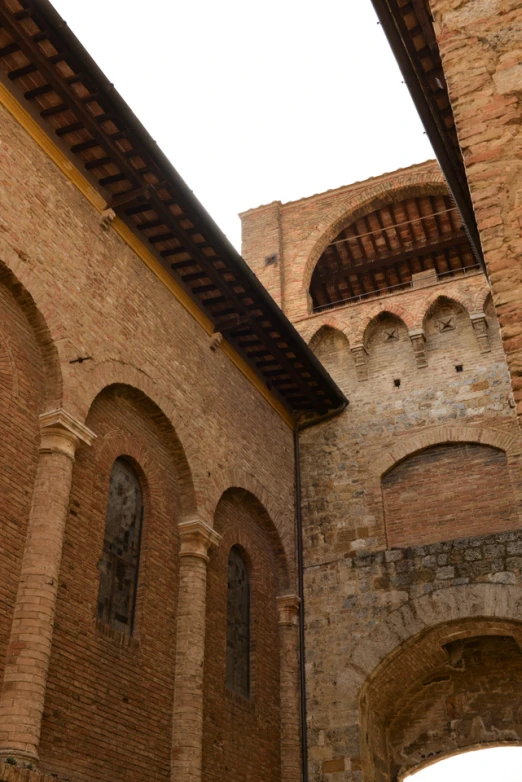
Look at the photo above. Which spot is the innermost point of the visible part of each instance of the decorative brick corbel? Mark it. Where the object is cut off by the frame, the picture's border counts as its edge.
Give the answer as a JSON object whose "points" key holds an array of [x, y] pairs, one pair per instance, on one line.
{"points": [[480, 326], [359, 353], [418, 341], [107, 217]]}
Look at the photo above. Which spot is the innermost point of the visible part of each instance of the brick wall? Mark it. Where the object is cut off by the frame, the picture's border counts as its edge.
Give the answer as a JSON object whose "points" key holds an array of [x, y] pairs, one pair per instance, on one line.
{"points": [[448, 491], [21, 393], [242, 735], [193, 424]]}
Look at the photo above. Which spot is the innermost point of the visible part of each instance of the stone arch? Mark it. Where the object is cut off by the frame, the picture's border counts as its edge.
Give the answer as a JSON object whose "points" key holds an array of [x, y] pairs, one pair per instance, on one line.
{"points": [[364, 201], [437, 435], [382, 308], [431, 302], [187, 493], [42, 318], [282, 529], [446, 616]]}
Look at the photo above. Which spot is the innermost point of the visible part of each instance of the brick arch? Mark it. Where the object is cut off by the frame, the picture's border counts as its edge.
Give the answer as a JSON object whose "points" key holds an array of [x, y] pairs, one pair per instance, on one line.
{"points": [[388, 307], [481, 297], [439, 435], [454, 613], [42, 317], [430, 302], [283, 528], [366, 200], [454, 603], [160, 410]]}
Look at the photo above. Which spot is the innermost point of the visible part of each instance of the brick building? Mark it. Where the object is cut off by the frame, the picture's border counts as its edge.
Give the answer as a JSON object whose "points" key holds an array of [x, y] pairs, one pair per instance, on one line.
{"points": [[258, 526]]}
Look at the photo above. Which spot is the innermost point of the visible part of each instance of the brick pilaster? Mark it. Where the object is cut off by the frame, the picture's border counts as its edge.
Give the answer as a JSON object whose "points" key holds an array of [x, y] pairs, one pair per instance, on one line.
{"points": [[28, 653], [288, 609], [187, 732]]}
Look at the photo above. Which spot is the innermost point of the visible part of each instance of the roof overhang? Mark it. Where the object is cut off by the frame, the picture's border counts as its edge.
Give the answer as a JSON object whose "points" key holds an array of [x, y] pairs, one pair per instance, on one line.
{"points": [[55, 81], [409, 27]]}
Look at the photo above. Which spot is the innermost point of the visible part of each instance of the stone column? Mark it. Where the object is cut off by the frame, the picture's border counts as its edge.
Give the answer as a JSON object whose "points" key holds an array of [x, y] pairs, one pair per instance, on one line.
{"points": [[481, 50], [187, 731], [28, 653], [288, 610]]}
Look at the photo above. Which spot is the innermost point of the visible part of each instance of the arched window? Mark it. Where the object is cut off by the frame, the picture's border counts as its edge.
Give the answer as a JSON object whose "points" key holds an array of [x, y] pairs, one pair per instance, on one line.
{"points": [[238, 624], [121, 549]]}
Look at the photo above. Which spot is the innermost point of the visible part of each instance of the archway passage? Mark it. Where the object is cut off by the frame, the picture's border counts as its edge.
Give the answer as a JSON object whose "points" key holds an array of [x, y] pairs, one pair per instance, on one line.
{"points": [[452, 689], [481, 765], [383, 250]]}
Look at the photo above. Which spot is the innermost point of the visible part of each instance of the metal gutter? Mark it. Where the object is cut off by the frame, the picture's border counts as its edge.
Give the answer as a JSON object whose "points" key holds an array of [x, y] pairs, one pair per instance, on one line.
{"points": [[187, 198], [458, 188]]}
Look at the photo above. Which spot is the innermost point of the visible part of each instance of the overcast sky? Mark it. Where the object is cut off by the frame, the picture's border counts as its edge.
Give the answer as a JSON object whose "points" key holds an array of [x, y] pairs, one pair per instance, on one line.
{"points": [[256, 102]]}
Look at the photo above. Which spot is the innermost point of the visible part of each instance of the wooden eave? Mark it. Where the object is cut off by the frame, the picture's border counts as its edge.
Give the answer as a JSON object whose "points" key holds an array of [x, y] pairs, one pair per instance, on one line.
{"points": [[381, 251], [53, 76], [409, 27]]}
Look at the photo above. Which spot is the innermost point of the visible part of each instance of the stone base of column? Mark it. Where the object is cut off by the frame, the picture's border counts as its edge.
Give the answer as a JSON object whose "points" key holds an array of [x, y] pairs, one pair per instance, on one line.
{"points": [[11, 773]]}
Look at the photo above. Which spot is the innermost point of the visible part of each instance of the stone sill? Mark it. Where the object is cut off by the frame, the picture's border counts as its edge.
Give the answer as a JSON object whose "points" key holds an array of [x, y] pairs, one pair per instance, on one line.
{"points": [[122, 639], [248, 704]]}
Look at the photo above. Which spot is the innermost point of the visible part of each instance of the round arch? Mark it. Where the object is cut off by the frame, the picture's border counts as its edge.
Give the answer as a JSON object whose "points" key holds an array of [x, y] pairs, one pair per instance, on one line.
{"points": [[281, 528], [429, 636], [429, 182], [439, 435], [42, 317], [187, 491]]}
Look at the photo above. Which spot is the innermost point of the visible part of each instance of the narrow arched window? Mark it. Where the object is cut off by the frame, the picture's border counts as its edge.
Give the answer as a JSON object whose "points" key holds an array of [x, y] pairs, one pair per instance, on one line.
{"points": [[121, 549], [238, 624]]}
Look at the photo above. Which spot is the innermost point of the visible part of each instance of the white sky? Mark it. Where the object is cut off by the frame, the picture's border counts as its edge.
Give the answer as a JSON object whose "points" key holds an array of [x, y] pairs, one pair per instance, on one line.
{"points": [[256, 102], [501, 763]]}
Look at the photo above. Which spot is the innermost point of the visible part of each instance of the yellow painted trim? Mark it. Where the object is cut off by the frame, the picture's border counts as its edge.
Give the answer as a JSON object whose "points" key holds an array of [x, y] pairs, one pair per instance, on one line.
{"points": [[8, 100]]}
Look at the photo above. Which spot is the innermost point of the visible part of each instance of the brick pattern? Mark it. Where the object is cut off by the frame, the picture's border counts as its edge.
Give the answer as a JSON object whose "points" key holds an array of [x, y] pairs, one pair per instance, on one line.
{"points": [[118, 703], [242, 736], [21, 390], [448, 491], [191, 423]]}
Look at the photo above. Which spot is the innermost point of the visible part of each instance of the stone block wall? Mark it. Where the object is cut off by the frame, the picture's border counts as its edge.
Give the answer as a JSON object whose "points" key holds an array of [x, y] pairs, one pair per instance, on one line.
{"points": [[427, 452]]}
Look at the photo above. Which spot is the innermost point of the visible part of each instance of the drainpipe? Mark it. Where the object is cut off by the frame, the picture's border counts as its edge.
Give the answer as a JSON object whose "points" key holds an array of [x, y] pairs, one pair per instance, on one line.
{"points": [[300, 575]]}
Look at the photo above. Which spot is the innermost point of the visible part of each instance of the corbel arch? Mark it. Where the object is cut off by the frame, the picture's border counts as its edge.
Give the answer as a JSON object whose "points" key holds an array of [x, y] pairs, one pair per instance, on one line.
{"points": [[382, 308], [431, 301], [342, 214]]}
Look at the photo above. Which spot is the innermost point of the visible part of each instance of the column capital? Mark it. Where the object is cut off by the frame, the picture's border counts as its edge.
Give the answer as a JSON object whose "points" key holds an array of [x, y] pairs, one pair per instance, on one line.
{"points": [[288, 609], [197, 538], [416, 334], [61, 432]]}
